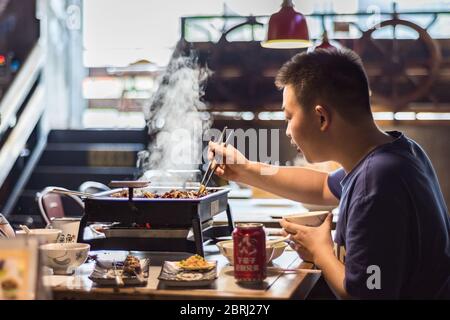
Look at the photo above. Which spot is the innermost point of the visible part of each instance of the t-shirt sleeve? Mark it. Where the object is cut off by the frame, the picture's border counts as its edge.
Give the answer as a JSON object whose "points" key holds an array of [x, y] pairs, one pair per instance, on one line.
{"points": [[334, 182], [375, 258]]}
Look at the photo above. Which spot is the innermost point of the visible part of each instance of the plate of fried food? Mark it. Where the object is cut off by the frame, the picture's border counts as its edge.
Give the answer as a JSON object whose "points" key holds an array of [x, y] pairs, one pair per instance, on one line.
{"points": [[195, 263], [193, 271]]}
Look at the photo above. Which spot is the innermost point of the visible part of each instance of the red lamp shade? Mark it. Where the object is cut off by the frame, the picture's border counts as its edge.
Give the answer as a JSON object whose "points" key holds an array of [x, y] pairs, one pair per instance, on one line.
{"points": [[287, 29], [325, 43]]}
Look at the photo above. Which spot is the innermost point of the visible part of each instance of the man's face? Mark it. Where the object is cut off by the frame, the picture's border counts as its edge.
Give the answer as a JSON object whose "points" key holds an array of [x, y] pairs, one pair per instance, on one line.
{"points": [[302, 127]]}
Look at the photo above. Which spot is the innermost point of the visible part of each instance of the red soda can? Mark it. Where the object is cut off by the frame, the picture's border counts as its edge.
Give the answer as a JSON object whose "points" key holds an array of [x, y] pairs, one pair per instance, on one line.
{"points": [[249, 250]]}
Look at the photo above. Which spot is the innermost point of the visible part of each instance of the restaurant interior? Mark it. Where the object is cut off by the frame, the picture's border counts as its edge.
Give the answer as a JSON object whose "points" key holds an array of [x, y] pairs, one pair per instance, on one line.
{"points": [[106, 111]]}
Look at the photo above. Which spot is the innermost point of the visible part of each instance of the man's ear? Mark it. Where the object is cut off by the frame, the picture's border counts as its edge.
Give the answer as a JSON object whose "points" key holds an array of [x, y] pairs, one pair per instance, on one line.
{"points": [[324, 117]]}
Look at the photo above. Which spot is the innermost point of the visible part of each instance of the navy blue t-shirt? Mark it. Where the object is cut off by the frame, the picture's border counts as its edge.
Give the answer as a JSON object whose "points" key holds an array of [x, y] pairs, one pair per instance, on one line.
{"points": [[393, 221]]}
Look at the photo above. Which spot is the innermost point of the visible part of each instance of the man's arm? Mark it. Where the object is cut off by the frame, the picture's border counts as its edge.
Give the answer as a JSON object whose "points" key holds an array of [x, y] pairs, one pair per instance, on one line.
{"points": [[334, 273], [295, 183], [370, 242], [315, 244]]}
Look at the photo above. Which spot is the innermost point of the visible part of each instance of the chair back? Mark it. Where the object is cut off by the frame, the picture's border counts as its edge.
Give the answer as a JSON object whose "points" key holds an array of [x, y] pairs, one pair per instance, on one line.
{"points": [[54, 205]]}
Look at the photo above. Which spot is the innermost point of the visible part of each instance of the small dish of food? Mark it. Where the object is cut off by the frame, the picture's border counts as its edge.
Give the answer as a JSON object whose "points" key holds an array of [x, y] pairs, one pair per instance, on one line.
{"points": [[192, 272], [195, 262], [132, 272]]}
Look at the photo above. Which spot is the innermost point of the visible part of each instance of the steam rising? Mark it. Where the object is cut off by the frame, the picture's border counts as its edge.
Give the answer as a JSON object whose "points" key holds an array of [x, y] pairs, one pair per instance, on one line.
{"points": [[175, 121]]}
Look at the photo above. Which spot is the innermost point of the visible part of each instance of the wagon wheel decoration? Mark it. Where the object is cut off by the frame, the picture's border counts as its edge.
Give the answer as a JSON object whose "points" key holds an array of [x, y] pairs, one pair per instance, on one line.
{"points": [[397, 80]]}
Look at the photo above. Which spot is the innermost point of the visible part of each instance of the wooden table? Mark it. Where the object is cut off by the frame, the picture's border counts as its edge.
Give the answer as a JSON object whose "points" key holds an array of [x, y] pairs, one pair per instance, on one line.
{"points": [[278, 285]]}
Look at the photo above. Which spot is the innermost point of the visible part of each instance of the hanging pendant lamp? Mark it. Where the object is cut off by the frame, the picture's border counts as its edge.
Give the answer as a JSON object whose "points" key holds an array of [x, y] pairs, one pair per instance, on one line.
{"points": [[287, 29]]}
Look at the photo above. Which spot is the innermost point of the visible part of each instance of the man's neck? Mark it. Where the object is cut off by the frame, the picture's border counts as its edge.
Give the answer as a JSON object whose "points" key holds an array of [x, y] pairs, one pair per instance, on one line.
{"points": [[357, 142]]}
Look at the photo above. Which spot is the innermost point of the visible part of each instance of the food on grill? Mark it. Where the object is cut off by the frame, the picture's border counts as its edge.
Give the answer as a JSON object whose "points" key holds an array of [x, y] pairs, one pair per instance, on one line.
{"points": [[195, 262], [202, 188], [178, 194], [131, 266], [149, 195], [172, 194], [120, 194]]}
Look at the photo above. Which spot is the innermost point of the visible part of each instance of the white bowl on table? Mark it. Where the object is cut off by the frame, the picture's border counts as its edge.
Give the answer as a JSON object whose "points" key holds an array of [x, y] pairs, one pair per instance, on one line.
{"points": [[63, 258], [310, 219], [226, 248], [44, 235]]}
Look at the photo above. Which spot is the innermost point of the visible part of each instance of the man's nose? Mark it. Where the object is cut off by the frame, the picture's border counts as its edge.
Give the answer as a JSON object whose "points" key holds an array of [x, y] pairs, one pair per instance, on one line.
{"points": [[288, 131]]}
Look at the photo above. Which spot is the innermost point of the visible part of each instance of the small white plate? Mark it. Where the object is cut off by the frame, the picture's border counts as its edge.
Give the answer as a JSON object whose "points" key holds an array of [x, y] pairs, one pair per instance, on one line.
{"points": [[172, 275], [103, 275]]}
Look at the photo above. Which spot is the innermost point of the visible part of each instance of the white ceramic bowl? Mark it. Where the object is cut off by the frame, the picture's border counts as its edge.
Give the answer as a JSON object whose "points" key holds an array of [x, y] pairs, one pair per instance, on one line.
{"points": [[278, 249], [63, 258], [310, 219], [272, 252], [318, 207], [44, 235]]}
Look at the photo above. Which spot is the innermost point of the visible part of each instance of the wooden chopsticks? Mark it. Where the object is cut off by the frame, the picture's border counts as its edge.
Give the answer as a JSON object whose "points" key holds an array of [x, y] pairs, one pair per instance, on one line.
{"points": [[210, 170]]}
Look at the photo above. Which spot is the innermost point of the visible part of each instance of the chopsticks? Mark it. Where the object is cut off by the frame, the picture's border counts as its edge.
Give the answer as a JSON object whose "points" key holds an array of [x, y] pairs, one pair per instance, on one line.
{"points": [[210, 170], [202, 185], [119, 280], [139, 276], [294, 270]]}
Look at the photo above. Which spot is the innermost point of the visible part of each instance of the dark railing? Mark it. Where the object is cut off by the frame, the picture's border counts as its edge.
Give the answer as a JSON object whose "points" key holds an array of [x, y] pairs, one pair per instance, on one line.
{"points": [[21, 110]]}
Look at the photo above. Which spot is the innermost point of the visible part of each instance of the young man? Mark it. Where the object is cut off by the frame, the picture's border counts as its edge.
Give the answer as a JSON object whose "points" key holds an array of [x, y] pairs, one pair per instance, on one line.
{"points": [[392, 236]]}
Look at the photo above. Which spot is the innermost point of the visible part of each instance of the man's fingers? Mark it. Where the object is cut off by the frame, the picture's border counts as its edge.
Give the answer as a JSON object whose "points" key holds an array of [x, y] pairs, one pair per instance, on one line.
{"points": [[285, 234], [222, 153], [217, 148], [303, 253], [297, 227], [289, 227], [231, 155], [219, 171], [210, 155], [298, 239], [293, 245], [328, 222]]}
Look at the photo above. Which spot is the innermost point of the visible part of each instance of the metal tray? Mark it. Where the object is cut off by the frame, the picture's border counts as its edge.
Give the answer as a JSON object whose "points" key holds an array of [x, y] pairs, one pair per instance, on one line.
{"points": [[161, 213], [106, 195], [145, 233], [164, 216]]}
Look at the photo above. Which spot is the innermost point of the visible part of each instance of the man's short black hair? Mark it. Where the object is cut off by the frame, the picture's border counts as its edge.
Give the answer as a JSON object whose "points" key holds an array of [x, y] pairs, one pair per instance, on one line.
{"points": [[333, 78]]}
